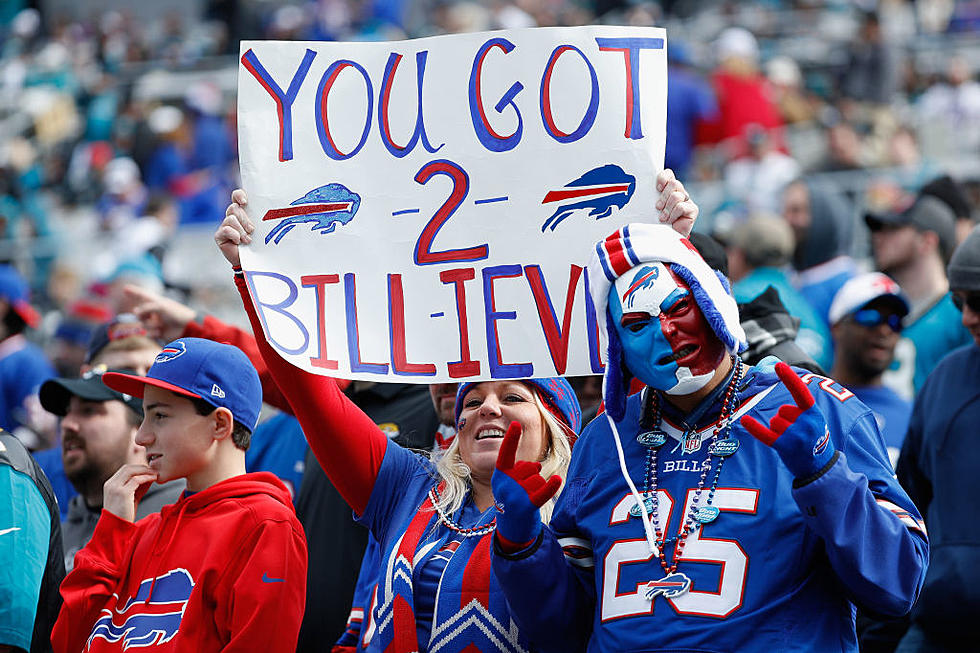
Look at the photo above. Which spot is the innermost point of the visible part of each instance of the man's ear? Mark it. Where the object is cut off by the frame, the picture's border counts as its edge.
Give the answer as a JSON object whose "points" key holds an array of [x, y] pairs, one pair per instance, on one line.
{"points": [[224, 422], [929, 240]]}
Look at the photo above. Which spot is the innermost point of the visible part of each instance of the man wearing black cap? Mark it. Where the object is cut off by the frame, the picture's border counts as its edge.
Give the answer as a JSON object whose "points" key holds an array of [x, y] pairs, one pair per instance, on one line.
{"points": [[912, 247], [98, 431], [938, 467]]}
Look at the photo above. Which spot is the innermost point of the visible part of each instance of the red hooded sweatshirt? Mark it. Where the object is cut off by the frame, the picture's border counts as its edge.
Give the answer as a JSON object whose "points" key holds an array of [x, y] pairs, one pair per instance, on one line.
{"points": [[223, 569]]}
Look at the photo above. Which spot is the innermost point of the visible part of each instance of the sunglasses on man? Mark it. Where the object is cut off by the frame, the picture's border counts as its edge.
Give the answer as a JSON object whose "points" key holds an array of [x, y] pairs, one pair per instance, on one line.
{"points": [[972, 300], [870, 317]]}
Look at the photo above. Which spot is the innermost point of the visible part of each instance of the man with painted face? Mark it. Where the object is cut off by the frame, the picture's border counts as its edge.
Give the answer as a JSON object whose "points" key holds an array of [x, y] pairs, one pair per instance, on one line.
{"points": [[724, 507]]}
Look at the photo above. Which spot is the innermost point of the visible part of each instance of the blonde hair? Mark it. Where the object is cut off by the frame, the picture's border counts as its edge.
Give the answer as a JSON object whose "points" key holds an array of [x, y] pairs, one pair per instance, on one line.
{"points": [[456, 474]]}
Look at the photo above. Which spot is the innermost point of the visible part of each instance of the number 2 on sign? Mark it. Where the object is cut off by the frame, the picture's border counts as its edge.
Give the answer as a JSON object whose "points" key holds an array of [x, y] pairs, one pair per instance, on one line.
{"points": [[461, 187], [697, 550]]}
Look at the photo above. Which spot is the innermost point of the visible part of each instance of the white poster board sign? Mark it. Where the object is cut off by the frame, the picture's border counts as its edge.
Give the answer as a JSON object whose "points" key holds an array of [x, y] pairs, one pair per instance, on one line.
{"points": [[425, 209]]}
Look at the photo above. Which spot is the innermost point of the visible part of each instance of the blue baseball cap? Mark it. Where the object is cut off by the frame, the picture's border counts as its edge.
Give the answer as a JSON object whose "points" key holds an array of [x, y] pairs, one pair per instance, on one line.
{"points": [[13, 288], [556, 393], [219, 374]]}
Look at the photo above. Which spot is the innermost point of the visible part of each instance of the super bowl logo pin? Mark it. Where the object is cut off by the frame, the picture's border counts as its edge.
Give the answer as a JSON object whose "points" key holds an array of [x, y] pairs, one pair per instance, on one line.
{"points": [[635, 510], [706, 514], [652, 439], [723, 448]]}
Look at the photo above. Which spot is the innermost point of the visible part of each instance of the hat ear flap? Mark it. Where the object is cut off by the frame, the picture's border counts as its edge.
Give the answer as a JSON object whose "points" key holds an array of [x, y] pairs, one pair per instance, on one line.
{"points": [[617, 377]]}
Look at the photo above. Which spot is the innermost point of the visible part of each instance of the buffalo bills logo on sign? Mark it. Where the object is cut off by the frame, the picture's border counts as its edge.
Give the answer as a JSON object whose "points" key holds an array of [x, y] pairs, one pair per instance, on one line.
{"points": [[170, 352], [597, 191], [145, 619], [324, 208]]}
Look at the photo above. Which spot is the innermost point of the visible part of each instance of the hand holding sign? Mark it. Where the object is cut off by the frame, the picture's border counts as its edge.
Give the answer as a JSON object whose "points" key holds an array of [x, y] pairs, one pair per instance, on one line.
{"points": [[675, 205], [235, 229]]}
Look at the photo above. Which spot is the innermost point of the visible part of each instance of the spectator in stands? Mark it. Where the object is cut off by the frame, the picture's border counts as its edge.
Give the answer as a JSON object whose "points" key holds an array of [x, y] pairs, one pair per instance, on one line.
{"points": [[912, 247], [955, 196], [758, 251], [871, 74], [823, 224], [23, 366], [938, 468], [121, 344], [689, 101], [336, 544], [954, 105], [98, 436], [742, 93], [867, 315], [30, 550]]}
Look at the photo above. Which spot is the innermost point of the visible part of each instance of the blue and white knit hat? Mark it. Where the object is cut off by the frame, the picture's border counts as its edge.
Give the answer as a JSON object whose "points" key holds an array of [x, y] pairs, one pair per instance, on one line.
{"points": [[634, 245]]}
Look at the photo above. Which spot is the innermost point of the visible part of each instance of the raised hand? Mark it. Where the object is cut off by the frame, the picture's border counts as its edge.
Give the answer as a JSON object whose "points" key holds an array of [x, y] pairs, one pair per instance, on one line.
{"points": [[798, 432], [125, 488], [674, 205], [519, 490], [236, 229], [163, 318]]}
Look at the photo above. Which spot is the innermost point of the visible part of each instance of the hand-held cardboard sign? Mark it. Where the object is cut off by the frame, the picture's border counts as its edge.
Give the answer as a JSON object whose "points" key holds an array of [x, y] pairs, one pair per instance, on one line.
{"points": [[425, 209]]}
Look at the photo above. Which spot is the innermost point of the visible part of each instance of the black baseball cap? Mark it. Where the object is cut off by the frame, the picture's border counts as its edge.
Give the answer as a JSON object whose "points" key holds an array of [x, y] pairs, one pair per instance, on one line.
{"points": [[56, 394], [927, 213]]}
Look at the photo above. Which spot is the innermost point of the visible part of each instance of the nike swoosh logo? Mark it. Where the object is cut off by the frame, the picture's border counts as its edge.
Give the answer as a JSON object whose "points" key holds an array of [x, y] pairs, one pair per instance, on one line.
{"points": [[266, 579], [9, 530]]}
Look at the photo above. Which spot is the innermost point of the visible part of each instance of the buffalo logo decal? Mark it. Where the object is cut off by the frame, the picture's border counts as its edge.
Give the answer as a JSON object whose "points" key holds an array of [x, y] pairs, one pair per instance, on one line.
{"points": [[597, 191], [645, 278], [323, 208], [170, 352], [670, 586], [147, 619]]}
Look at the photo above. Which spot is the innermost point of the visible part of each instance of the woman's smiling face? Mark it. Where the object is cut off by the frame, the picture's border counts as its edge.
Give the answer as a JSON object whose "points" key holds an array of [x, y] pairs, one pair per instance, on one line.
{"points": [[487, 410]]}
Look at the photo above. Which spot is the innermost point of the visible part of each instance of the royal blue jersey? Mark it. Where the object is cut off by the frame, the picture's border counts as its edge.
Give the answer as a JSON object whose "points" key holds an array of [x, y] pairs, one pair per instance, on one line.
{"points": [[777, 570]]}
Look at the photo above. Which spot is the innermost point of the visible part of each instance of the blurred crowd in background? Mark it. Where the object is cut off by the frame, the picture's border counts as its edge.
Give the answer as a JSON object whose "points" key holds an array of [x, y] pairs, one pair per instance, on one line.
{"points": [[821, 139], [117, 120]]}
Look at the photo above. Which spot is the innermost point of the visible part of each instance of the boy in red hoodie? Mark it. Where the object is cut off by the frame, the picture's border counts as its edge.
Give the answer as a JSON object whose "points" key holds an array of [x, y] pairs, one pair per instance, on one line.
{"points": [[224, 568]]}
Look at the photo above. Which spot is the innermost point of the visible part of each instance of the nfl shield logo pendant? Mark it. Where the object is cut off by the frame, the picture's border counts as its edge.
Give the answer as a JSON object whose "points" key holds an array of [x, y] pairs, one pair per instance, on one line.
{"points": [[652, 439]]}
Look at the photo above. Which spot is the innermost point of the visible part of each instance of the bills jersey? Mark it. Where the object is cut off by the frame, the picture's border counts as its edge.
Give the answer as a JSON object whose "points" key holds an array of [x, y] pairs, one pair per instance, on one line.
{"points": [[776, 570]]}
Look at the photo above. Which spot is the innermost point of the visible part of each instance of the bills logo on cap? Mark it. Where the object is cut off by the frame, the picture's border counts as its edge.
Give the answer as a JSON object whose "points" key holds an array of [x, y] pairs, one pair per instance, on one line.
{"points": [[597, 191], [148, 620], [174, 350], [324, 207]]}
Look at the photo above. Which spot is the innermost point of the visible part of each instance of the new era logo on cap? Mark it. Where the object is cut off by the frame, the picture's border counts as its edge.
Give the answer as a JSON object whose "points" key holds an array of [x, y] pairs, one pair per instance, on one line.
{"points": [[217, 392]]}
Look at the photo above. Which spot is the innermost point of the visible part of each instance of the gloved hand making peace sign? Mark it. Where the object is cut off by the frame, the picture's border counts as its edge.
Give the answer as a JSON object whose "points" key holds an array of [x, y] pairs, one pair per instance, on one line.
{"points": [[798, 432], [519, 490]]}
